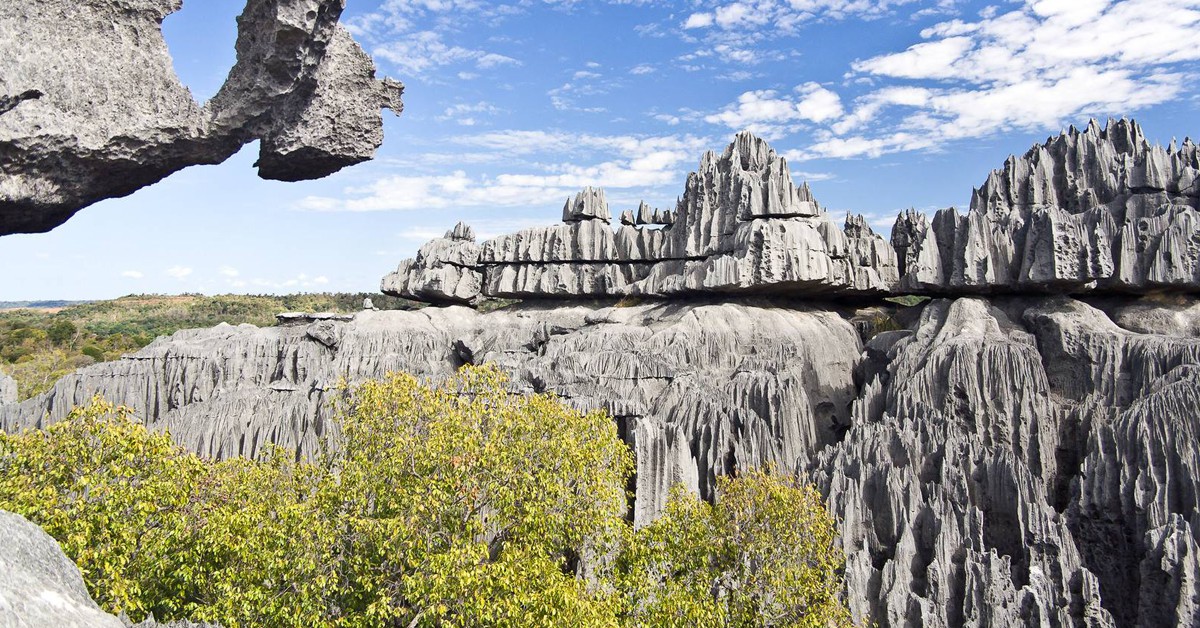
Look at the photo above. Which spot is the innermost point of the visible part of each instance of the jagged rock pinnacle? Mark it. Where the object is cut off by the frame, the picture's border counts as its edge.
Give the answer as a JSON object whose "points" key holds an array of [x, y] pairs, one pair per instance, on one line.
{"points": [[741, 225]]}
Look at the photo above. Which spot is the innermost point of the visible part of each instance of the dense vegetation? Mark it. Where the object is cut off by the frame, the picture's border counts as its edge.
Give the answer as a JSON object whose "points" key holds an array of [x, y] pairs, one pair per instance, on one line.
{"points": [[38, 346], [459, 505]]}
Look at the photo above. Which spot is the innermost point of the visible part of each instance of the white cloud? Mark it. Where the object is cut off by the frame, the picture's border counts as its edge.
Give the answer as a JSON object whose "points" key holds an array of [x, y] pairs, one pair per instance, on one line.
{"points": [[465, 114], [761, 18], [133, 274], [178, 272], [491, 60], [420, 52], [625, 162], [1041, 65], [698, 20], [641, 69], [767, 113], [229, 271]]}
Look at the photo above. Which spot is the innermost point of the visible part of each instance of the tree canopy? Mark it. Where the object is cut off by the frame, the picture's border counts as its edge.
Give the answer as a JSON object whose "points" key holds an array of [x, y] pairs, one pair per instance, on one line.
{"points": [[451, 505]]}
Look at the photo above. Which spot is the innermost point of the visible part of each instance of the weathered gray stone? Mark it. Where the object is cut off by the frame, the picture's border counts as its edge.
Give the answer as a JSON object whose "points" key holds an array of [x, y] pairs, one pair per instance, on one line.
{"points": [[39, 585], [1092, 210], [993, 462], [8, 389], [741, 226], [589, 204], [91, 108], [945, 482], [697, 389]]}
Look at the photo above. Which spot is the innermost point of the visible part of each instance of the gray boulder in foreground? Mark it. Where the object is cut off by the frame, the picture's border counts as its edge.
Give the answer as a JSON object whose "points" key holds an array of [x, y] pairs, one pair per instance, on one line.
{"points": [[91, 107], [39, 586]]}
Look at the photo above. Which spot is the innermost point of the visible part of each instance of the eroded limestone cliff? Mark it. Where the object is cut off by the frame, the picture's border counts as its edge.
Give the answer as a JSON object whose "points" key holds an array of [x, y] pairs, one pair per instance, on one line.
{"points": [[91, 108]]}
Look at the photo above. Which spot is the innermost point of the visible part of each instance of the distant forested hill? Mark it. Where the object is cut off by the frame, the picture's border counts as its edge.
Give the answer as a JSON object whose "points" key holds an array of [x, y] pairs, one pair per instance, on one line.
{"points": [[40, 305], [42, 341]]}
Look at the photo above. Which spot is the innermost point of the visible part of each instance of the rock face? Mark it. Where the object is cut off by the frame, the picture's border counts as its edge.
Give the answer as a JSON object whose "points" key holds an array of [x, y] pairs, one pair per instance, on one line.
{"points": [[91, 108], [1000, 457], [39, 585], [993, 461], [8, 389], [1091, 210], [741, 227], [698, 390]]}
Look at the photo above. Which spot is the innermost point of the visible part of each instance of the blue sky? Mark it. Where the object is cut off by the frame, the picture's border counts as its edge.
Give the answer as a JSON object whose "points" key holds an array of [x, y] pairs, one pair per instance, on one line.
{"points": [[512, 106]]}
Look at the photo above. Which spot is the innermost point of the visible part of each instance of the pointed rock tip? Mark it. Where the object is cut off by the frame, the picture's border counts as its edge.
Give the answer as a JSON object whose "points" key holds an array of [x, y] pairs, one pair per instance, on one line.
{"points": [[461, 231]]}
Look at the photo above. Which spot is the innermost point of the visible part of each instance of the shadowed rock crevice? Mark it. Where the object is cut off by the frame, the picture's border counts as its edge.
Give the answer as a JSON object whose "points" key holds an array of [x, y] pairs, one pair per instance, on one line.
{"points": [[91, 108]]}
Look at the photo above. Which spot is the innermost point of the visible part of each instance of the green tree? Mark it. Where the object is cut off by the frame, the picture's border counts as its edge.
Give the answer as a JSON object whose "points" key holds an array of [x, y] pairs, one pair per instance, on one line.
{"points": [[477, 504], [113, 494], [62, 332], [762, 555], [451, 505]]}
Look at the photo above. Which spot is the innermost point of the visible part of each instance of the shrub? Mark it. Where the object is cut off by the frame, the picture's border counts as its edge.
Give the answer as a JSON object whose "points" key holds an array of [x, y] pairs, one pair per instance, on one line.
{"points": [[762, 555], [455, 505]]}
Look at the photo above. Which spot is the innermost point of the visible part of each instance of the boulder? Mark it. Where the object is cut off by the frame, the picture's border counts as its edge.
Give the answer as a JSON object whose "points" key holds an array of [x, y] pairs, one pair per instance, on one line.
{"points": [[39, 585]]}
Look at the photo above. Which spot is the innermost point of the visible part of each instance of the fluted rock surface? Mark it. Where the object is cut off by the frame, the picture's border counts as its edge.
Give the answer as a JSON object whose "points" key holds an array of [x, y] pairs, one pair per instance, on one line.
{"points": [[91, 108], [741, 226], [1091, 210], [946, 480], [698, 390], [8, 389], [1003, 461], [1024, 462]]}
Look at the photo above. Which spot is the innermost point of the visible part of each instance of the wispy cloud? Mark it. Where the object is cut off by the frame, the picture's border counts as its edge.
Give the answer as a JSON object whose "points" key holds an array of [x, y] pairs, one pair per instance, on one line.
{"points": [[468, 114], [133, 274], [1038, 66], [618, 162], [178, 272]]}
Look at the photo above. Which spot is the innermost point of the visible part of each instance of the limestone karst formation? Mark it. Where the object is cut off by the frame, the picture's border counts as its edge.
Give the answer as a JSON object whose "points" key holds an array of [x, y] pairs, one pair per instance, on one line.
{"points": [[91, 107], [741, 226], [1016, 451], [1093, 210], [1098, 210]]}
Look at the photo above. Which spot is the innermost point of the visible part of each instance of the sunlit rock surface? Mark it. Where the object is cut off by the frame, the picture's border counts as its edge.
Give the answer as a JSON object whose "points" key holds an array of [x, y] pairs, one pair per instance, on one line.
{"points": [[993, 461], [742, 226], [39, 585], [1100, 209], [91, 108], [1023, 451]]}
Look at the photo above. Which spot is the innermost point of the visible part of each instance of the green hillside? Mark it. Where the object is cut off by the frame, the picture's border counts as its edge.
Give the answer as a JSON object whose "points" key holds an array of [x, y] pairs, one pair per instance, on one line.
{"points": [[38, 345]]}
